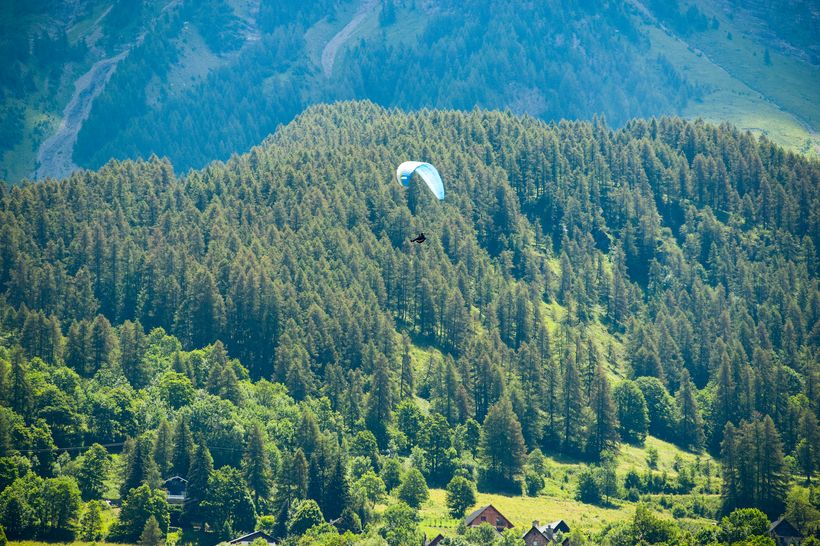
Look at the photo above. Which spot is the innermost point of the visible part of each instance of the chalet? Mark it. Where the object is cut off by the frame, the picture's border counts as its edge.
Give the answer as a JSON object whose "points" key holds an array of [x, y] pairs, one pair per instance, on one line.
{"points": [[547, 535], [175, 489], [784, 533], [250, 537], [488, 514], [435, 541]]}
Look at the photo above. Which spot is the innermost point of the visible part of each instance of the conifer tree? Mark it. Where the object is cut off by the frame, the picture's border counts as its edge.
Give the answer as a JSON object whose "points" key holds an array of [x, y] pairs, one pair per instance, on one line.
{"points": [[140, 467], [256, 464], [379, 412], [633, 415], [164, 448], [183, 448], [603, 430], [151, 533], [202, 466], [571, 441], [502, 445], [690, 426]]}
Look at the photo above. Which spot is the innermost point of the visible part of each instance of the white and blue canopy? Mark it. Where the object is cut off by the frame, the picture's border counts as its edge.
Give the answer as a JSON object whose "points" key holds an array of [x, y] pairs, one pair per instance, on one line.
{"points": [[427, 172]]}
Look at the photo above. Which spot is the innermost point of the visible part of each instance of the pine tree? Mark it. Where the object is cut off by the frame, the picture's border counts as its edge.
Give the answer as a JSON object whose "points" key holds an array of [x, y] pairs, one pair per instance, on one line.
{"points": [[603, 430], [140, 467], [164, 447], [571, 440], [502, 445], [379, 412], [406, 381], [690, 426], [151, 534], [101, 344], [633, 414], [22, 392], [183, 448], [132, 351], [725, 398], [307, 433], [256, 464], [729, 463], [202, 466], [772, 470], [808, 448]]}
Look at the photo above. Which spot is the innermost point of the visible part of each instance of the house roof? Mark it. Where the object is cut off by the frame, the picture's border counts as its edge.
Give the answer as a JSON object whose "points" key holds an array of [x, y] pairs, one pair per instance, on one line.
{"points": [[250, 537], [549, 529], [782, 528], [473, 515], [559, 525], [436, 539]]}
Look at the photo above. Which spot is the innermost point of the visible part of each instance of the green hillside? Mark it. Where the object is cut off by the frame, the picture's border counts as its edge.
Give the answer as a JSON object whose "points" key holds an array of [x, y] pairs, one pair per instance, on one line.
{"points": [[196, 81], [605, 325]]}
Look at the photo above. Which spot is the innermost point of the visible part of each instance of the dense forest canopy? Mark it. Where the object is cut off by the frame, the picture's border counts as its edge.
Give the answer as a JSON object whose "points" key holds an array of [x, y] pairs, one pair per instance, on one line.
{"points": [[257, 326]]}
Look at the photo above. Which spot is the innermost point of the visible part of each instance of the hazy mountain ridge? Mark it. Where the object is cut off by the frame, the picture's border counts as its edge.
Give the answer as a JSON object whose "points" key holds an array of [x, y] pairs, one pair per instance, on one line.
{"points": [[212, 78]]}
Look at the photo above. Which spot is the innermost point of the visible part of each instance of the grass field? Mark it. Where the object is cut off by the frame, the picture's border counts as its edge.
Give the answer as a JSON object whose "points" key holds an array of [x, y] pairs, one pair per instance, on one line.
{"points": [[558, 499], [741, 89]]}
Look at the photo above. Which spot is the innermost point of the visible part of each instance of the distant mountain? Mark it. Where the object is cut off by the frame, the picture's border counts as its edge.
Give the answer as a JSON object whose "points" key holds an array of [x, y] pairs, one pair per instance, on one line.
{"points": [[200, 80]]}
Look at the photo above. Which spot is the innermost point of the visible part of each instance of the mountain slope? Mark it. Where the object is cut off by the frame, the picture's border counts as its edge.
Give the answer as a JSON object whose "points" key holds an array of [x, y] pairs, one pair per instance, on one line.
{"points": [[212, 78], [274, 306]]}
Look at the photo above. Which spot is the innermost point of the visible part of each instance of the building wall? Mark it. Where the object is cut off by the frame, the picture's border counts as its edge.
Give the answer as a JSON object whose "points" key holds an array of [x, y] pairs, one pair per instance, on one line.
{"points": [[535, 538], [493, 517]]}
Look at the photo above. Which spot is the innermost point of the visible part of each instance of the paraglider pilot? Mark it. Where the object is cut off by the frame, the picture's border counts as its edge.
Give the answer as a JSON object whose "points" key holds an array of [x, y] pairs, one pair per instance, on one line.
{"points": [[419, 239]]}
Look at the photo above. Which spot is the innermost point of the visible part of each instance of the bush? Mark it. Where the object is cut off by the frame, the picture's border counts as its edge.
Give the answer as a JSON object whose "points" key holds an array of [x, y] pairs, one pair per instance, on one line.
{"points": [[413, 488], [588, 489], [742, 524], [460, 496], [306, 515], [391, 473], [678, 511], [534, 483]]}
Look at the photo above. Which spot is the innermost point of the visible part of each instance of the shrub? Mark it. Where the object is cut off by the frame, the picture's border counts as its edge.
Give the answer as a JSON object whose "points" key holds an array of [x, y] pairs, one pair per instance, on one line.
{"points": [[413, 488], [588, 489], [460, 496], [534, 483]]}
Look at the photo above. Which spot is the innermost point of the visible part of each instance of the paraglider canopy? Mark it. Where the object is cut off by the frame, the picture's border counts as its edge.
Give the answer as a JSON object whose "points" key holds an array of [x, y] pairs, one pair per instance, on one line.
{"points": [[427, 172]]}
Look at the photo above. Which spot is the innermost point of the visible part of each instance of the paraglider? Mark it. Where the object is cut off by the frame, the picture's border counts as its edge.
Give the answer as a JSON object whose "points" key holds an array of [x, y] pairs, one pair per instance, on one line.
{"points": [[427, 172]]}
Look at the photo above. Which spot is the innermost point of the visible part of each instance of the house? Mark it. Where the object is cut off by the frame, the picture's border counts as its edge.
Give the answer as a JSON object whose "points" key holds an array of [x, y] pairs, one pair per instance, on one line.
{"points": [[546, 535], [784, 533], [175, 489], [249, 538], [488, 514], [435, 541]]}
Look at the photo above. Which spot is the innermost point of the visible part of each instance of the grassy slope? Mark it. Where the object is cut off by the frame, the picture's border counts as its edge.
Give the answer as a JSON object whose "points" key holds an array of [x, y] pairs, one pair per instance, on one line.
{"points": [[787, 81], [740, 88], [558, 502]]}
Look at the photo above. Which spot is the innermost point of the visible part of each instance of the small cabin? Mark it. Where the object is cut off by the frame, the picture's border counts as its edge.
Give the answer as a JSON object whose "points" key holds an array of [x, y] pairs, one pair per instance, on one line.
{"points": [[547, 535], [435, 541], [250, 537], [175, 489], [784, 533], [488, 514]]}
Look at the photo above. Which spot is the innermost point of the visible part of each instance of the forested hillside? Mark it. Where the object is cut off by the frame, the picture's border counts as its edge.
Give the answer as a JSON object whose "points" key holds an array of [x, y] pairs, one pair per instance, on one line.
{"points": [[196, 80], [265, 329]]}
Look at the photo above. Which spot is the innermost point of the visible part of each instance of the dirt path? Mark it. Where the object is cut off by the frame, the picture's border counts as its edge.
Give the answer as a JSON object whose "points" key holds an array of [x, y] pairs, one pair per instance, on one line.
{"points": [[54, 156], [335, 43]]}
